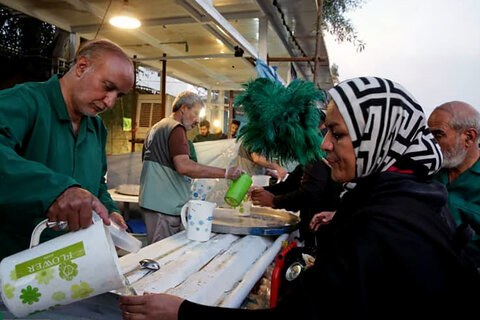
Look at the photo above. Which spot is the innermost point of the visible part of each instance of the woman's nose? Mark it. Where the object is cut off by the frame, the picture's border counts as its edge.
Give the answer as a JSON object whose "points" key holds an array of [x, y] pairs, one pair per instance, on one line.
{"points": [[327, 144]]}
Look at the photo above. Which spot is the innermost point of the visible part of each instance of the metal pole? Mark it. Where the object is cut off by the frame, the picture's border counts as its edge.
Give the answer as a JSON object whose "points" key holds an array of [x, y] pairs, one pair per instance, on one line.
{"points": [[297, 59], [230, 113], [318, 38], [163, 86], [134, 106]]}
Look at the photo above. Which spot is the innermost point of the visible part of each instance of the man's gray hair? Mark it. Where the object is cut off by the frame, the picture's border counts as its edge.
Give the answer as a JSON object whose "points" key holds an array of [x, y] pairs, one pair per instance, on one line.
{"points": [[95, 48], [188, 98], [460, 121]]}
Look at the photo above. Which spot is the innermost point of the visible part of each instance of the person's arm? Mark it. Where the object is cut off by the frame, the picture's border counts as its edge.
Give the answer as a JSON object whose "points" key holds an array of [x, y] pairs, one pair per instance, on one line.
{"points": [[30, 186], [185, 166], [26, 186], [168, 307], [262, 161], [312, 188], [290, 184], [179, 150]]}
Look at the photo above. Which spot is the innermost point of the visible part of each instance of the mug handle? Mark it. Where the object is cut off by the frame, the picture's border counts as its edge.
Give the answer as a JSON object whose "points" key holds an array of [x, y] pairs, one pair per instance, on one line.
{"points": [[183, 213], [35, 239]]}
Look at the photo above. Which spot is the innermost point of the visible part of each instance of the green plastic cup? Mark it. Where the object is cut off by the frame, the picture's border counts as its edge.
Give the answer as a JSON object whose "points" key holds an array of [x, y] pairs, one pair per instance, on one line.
{"points": [[238, 189]]}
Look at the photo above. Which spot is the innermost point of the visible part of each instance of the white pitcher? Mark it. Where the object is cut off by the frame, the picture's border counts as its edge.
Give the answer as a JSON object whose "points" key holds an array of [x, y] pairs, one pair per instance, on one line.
{"points": [[197, 217], [69, 268]]}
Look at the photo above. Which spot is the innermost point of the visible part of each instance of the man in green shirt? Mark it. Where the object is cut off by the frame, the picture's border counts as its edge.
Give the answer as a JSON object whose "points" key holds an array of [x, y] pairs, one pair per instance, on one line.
{"points": [[456, 127], [52, 146]]}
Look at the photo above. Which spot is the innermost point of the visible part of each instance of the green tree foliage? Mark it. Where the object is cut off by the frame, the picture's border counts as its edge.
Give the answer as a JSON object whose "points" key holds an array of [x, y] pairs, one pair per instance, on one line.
{"points": [[334, 73], [24, 35], [335, 22]]}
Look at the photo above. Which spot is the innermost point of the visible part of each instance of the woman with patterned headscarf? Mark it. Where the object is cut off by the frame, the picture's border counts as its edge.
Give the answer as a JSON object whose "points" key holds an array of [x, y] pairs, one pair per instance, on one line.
{"points": [[389, 251], [390, 248]]}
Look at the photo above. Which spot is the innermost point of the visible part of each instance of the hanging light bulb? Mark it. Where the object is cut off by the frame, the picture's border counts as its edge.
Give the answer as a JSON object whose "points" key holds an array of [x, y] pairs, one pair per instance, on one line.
{"points": [[125, 19]]}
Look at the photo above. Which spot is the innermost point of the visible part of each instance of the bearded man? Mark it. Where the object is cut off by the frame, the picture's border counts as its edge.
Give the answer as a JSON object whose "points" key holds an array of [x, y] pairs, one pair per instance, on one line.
{"points": [[456, 126]]}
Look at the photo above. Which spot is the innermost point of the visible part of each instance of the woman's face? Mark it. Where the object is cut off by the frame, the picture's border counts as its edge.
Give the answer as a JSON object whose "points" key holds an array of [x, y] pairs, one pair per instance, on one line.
{"points": [[338, 146]]}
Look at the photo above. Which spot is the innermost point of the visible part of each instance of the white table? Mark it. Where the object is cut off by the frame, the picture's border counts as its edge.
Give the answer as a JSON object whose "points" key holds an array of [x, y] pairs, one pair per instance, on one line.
{"points": [[218, 272], [122, 197]]}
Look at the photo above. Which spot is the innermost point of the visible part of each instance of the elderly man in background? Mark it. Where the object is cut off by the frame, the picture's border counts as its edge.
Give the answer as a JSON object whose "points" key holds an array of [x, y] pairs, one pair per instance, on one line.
{"points": [[52, 146], [456, 127], [167, 168]]}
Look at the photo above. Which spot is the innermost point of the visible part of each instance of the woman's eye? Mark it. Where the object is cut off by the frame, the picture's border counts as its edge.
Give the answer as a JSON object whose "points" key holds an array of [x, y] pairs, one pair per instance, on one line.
{"points": [[336, 135]]}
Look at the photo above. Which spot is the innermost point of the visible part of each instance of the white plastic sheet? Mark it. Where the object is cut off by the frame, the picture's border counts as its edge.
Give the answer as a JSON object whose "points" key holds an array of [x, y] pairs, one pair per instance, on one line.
{"points": [[217, 153]]}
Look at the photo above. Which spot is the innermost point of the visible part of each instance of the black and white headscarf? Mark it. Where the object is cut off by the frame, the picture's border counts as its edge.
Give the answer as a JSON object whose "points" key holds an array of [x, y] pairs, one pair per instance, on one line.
{"points": [[386, 125]]}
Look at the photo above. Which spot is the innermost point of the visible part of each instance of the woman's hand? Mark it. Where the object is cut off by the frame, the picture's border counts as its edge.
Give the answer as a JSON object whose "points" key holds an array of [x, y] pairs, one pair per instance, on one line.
{"points": [[262, 197], [150, 307], [320, 219]]}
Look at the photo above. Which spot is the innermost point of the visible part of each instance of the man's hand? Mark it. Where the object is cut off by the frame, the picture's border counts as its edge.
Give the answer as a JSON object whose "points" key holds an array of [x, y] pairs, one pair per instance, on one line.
{"points": [[320, 219], [233, 173], [75, 206], [118, 219], [150, 306], [262, 197]]}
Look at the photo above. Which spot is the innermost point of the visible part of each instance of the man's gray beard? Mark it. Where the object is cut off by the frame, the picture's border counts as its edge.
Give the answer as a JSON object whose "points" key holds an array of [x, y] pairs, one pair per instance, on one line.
{"points": [[454, 157]]}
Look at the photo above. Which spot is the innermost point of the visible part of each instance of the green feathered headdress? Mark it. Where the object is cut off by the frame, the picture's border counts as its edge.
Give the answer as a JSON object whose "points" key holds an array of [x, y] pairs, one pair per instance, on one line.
{"points": [[282, 121]]}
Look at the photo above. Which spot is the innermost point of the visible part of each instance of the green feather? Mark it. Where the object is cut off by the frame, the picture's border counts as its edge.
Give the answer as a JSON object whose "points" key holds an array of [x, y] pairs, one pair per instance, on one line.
{"points": [[282, 121]]}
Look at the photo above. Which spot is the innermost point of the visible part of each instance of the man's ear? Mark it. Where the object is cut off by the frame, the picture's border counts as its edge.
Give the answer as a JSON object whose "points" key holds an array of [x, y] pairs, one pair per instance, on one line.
{"points": [[82, 65], [471, 137]]}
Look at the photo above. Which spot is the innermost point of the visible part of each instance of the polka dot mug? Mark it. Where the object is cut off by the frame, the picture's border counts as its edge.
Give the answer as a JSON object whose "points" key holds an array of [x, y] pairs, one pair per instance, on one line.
{"points": [[197, 217]]}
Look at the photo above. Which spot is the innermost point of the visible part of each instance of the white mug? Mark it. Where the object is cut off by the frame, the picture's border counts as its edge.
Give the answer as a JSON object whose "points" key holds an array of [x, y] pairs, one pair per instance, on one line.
{"points": [[197, 217]]}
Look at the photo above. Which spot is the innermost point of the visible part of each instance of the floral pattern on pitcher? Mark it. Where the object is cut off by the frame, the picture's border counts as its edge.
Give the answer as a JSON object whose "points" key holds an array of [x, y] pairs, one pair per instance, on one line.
{"points": [[59, 296], [30, 295], [68, 270], [45, 276], [81, 291], [8, 289]]}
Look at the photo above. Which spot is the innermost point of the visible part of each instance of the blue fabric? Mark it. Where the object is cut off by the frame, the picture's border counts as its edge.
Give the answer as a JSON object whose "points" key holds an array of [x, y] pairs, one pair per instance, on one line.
{"points": [[136, 226], [266, 71]]}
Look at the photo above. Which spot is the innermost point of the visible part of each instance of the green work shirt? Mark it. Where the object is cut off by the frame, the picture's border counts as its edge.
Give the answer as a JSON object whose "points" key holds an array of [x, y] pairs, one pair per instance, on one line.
{"points": [[464, 198], [40, 157]]}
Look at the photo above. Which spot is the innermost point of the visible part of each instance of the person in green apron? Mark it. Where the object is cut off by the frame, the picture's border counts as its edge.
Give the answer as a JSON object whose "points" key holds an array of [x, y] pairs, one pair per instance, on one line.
{"points": [[52, 146], [456, 127]]}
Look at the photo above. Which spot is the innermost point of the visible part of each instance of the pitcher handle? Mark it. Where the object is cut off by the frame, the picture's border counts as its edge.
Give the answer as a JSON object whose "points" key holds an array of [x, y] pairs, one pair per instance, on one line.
{"points": [[183, 215], [37, 232]]}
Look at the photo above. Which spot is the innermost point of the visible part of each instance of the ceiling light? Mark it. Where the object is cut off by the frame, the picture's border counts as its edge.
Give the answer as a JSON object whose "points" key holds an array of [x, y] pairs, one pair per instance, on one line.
{"points": [[219, 41], [125, 19]]}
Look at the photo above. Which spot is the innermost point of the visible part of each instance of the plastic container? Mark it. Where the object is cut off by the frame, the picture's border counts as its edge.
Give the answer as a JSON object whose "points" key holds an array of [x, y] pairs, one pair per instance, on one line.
{"points": [[66, 269], [123, 239], [237, 190], [260, 180]]}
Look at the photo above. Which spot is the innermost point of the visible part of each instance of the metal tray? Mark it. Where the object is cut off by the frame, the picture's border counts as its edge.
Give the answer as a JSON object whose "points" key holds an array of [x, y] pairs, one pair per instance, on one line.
{"points": [[262, 221]]}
